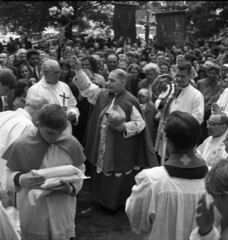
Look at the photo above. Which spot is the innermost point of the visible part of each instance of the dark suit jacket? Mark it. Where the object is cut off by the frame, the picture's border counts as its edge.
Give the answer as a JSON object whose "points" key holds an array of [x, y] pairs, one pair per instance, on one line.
{"points": [[32, 73], [149, 114]]}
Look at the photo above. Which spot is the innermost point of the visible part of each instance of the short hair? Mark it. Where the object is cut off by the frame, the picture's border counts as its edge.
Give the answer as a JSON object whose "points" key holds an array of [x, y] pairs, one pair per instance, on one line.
{"points": [[36, 103], [179, 56], [53, 116], [130, 54], [144, 91], [134, 66], [20, 50], [21, 84], [7, 78], [121, 74], [113, 54], [183, 130], [216, 180], [123, 55], [151, 66], [223, 118], [213, 66], [165, 63], [31, 52], [185, 66], [92, 61]]}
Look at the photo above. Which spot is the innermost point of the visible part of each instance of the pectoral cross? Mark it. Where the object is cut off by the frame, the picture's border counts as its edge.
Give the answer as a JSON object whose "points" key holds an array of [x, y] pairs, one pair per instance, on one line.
{"points": [[64, 97]]}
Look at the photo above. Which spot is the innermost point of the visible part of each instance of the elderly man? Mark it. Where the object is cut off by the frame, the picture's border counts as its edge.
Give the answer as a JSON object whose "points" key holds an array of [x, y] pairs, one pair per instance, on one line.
{"points": [[22, 58], [118, 149], [188, 99], [15, 123], [55, 91], [163, 201], [112, 64], [213, 147]]}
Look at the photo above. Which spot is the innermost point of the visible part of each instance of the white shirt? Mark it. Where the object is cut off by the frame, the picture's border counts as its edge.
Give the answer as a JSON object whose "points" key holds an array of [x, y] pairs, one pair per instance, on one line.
{"points": [[12, 125], [52, 92], [213, 149], [190, 100]]}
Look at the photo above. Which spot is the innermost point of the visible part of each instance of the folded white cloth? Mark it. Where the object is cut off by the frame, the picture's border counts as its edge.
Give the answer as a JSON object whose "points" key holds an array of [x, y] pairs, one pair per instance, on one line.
{"points": [[53, 177]]}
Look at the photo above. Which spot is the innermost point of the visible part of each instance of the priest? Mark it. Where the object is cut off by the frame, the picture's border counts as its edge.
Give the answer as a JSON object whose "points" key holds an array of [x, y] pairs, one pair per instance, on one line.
{"points": [[48, 146], [118, 151], [13, 124], [55, 91], [213, 147]]}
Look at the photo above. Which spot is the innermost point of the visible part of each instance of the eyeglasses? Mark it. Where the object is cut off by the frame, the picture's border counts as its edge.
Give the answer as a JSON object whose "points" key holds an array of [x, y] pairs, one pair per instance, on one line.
{"points": [[213, 123], [54, 73]]}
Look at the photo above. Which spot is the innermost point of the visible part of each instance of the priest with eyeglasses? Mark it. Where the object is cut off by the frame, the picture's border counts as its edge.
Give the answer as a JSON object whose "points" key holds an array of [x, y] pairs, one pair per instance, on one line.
{"points": [[55, 91]]}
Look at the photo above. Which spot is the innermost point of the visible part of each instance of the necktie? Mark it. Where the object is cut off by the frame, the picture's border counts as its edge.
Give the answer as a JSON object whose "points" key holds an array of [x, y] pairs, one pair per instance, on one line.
{"points": [[35, 74]]}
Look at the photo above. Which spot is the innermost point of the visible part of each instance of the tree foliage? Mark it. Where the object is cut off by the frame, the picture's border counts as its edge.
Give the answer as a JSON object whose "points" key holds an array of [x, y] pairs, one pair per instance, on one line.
{"points": [[31, 17]]}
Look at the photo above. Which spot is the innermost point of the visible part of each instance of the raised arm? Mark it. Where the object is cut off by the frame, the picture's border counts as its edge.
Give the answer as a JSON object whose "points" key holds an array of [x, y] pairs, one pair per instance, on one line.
{"points": [[83, 83]]}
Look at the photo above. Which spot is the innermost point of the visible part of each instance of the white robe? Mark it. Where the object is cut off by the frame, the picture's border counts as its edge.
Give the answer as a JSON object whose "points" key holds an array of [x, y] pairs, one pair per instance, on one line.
{"points": [[213, 149], [223, 101], [12, 125], [214, 234], [190, 100], [52, 92], [163, 207], [52, 215]]}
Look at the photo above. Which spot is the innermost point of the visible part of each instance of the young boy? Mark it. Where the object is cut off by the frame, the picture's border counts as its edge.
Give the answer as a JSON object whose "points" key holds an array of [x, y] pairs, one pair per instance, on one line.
{"points": [[48, 146], [149, 111]]}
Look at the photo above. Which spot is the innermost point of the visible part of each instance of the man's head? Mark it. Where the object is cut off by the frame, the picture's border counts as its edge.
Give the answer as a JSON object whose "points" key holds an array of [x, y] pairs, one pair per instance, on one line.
{"points": [[182, 131], [164, 67], [7, 81], [160, 58], [179, 59], [117, 80], [3, 59], [224, 70], [183, 74], [217, 124], [143, 96], [112, 62], [213, 71], [52, 122], [32, 57], [22, 54], [33, 105], [51, 71]]}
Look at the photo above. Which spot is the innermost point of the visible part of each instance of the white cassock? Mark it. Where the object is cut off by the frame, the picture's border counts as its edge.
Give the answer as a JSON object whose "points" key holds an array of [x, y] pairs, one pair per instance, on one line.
{"points": [[190, 100], [213, 149], [53, 94], [223, 101], [12, 125]]}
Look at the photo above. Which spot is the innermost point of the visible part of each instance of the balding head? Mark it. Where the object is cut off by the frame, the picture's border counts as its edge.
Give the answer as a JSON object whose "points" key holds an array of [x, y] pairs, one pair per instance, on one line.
{"points": [[217, 124], [33, 106], [51, 71]]}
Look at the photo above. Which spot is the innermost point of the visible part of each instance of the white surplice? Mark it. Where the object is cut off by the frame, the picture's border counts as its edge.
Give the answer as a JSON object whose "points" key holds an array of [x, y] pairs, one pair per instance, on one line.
{"points": [[52, 92], [213, 149], [53, 216], [12, 125], [223, 101], [163, 207], [190, 100]]}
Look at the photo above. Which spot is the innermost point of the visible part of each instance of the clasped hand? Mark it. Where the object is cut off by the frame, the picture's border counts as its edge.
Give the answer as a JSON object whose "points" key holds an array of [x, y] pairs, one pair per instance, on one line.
{"points": [[64, 188], [215, 109], [119, 128], [28, 180]]}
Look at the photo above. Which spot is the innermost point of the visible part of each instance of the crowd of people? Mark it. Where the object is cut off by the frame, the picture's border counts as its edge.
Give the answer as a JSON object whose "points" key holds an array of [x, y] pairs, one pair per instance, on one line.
{"points": [[91, 104]]}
